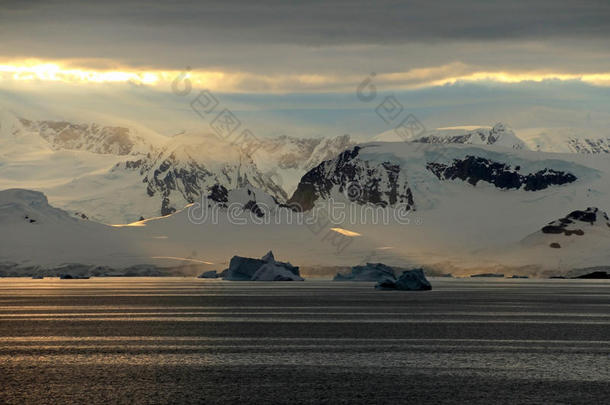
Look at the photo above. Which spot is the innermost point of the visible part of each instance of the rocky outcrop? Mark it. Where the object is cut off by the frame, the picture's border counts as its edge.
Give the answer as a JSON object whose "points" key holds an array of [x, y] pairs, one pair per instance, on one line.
{"points": [[589, 146], [474, 169], [177, 178], [576, 221], [361, 181]]}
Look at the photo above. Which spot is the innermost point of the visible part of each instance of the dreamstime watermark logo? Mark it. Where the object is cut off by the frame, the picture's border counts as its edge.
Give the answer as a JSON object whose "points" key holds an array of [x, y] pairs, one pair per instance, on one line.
{"points": [[354, 191], [338, 213]]}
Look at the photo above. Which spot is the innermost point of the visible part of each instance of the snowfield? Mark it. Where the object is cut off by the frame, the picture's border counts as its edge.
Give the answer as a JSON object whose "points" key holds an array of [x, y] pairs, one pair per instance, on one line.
{"points": [[466, 202]]}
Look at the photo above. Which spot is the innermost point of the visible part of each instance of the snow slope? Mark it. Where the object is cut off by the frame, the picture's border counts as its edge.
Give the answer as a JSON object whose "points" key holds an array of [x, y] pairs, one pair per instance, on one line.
{"points": [[117, 174], [37, 234], [566, 140], [459, 204], [578, 240], [499, 135], [463, 209], [553, 140]]}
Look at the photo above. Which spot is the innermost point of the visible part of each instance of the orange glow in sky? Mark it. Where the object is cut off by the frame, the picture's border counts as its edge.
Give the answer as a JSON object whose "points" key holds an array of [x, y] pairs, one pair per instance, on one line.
{"points": [[52, 71]]}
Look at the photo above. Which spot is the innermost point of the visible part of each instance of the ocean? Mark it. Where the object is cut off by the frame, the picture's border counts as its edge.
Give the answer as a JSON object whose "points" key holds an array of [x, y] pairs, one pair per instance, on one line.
{"points": [[187, 340]]}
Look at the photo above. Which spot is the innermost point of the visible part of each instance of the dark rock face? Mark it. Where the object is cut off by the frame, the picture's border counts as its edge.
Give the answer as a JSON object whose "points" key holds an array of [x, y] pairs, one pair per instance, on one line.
{"points": [[368, 272], [573, 223], [552, 229], [590, 215], [219, 194], [590, 146], [170, 176], [81, 215], [252, 206], [174, 180], [363, 182], [474, 169], [410, 280]]}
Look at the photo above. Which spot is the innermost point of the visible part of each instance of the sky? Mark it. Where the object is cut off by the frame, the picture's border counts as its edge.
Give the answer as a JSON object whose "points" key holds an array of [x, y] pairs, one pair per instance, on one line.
{"points": [[295, 68]]}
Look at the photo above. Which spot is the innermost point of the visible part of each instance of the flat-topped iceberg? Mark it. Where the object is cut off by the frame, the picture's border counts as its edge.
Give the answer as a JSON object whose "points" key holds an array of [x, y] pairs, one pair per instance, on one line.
{"points": [[209, 274], [263, 269], [409, 280], [368, 272]]}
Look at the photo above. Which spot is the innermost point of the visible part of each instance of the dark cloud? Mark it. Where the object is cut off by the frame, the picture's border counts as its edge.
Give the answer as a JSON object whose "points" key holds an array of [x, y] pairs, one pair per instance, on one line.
{"points": [[141, 32], [317, 23]]}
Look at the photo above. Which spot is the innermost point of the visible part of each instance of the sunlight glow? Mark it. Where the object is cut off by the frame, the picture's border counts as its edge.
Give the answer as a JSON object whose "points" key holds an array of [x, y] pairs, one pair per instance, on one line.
{"points": [[345, 232], [599, 79], [184, 259], [52, 71]]}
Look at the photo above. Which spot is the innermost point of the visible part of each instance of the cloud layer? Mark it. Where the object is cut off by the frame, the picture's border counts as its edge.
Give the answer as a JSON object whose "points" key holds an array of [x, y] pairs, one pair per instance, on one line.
{"points": [[293, 67], [314, 37]]}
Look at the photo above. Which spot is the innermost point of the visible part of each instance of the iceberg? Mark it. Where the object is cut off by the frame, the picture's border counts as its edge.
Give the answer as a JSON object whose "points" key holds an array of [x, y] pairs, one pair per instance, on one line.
{"points": [[72, 277], [209, 274], [263, 269], [409, 280], [369, 272], [242, 268], [275, 272], [599, 275]]}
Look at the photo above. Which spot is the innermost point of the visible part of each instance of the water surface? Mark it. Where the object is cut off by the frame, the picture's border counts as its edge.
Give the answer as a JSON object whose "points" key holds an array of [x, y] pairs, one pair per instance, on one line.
{"points": [[168, 340]]}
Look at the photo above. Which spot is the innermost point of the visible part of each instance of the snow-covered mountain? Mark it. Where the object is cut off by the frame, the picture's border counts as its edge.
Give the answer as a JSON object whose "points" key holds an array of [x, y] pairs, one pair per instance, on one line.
{"points": [[118, 174], [361, 181], [464, 200], [566, 140], [554, 140], [578, 240], [459, 202], [114, 140], [575, 228], [500, 135], [185, 169], [285, 159], [464, 224]]}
